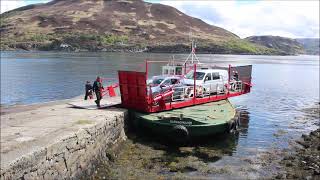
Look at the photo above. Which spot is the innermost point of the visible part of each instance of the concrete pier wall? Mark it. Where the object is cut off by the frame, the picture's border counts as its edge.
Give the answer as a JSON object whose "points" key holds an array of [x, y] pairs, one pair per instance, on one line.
{"points": [[72, 155]]}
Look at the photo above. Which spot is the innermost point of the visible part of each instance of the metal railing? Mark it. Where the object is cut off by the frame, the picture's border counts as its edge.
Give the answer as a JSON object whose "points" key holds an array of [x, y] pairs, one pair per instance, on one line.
{"points": [[184, 92]]}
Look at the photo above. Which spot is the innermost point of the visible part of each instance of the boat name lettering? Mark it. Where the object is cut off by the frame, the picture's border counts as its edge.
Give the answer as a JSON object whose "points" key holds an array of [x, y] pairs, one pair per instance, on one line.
{"points": [[180, 122]]}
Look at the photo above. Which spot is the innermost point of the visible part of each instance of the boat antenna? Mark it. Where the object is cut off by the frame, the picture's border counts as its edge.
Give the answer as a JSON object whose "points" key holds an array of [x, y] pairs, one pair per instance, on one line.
{"points": [[193, 52], [172, 60]]}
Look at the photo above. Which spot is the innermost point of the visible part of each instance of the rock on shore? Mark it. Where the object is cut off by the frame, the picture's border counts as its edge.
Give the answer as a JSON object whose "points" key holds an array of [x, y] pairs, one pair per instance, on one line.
{"points": [[304, 163]]}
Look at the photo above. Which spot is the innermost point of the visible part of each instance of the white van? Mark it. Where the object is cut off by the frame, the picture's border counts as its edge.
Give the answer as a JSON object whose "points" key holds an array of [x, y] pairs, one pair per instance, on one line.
{"points": [[212, 80]]}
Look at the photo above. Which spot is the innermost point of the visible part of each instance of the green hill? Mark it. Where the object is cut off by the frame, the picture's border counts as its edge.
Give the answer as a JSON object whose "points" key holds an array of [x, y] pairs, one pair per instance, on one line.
{"points": [[282, 44], [123, 25], [311, 45]]}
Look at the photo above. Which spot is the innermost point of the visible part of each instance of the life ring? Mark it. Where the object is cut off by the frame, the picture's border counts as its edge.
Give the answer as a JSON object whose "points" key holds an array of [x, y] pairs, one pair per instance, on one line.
{"points": [[180, 133]]}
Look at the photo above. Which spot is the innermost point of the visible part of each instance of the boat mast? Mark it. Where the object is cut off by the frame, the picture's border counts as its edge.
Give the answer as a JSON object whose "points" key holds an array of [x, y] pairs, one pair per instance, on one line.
{"points": [[193, 51]]}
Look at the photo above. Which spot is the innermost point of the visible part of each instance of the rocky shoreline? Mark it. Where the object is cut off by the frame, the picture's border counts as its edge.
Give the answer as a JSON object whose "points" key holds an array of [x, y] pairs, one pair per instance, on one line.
{"points": [[304, 162], [172, 48]]}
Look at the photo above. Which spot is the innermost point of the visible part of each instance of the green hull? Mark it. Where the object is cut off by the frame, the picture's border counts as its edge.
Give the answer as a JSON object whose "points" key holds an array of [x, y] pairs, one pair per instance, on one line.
{"points": [[196, 121]]}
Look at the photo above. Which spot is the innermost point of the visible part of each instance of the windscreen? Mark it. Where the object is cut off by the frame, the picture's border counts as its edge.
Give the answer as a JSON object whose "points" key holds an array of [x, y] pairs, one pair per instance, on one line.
{"points": [[157, 81], [199, 75]]}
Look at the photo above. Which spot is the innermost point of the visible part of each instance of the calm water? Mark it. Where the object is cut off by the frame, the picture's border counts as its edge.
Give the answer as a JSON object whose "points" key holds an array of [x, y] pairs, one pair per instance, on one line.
{"points": [[283, 85]]}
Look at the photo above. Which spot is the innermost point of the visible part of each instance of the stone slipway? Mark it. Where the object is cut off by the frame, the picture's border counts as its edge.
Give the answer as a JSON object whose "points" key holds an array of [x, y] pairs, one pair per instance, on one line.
{"points": [[56, 141]]}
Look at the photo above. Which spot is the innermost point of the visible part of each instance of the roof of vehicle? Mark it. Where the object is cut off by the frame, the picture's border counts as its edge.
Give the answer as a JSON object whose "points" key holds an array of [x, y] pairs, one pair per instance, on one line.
{"points": [[211, 70], [166, 77]]}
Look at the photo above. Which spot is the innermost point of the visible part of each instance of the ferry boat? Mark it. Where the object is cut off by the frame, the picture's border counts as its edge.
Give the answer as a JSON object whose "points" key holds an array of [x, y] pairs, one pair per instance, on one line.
{"points": [[197, 105], [190, 122]]}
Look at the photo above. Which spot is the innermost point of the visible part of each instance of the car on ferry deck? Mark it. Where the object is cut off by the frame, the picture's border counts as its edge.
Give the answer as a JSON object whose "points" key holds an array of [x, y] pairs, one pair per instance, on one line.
{"points": [[160, 84], [212, 80]]}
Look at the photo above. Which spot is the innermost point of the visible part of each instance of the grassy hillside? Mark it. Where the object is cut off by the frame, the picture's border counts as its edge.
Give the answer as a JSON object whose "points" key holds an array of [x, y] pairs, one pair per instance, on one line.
{"points": [[282, 44], [122, 25], [311, 45]]}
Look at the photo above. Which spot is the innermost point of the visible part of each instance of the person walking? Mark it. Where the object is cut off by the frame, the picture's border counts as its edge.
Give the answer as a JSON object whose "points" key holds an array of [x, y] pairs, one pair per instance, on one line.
{"points": [[88, 88], [235, 75], [97, 88]]}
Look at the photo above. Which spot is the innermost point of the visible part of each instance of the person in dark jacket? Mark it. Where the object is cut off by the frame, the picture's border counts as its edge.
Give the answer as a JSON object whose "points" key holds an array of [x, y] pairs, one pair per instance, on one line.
{"points": [[97, 88], [235, 75], [88, 88]]}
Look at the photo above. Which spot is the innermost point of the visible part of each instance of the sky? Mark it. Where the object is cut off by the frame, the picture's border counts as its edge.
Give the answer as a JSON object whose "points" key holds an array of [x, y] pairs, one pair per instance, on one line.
{"points": [[7, 5], [294, 19]]}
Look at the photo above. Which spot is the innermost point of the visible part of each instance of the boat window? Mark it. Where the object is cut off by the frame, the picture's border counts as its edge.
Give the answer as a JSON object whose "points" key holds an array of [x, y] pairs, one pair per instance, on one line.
{"points": [[199, 75], [215, 76], [166, 71], [157, 81], [178, 70]]}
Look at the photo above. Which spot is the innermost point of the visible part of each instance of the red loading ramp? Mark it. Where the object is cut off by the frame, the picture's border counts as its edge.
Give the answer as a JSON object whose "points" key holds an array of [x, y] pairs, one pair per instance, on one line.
{"points": [[133, 90]]}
